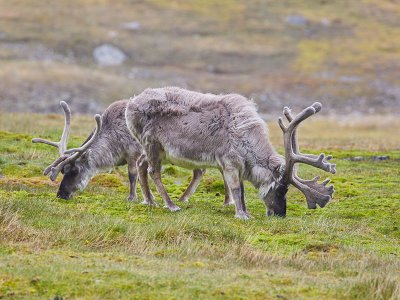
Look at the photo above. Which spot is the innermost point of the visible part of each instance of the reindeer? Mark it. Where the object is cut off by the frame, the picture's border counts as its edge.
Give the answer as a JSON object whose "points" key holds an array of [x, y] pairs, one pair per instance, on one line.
{"points": [[109, 145], [198, 130]]}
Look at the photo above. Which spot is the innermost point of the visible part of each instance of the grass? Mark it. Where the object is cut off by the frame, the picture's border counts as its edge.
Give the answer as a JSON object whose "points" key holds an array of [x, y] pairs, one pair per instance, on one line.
{"points": [[99, 246]]}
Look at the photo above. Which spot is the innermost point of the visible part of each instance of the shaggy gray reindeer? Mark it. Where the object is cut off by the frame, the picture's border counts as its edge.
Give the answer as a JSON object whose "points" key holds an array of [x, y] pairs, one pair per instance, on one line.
{"points": [[198, 130], [109, 145]]}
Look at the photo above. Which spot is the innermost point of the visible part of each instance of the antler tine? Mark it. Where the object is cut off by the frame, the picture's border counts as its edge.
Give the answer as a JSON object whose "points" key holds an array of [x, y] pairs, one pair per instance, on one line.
{"points": [[290, 131], [67, 127], [85, 146], [62, 144], [56, 167], [315, 193]]}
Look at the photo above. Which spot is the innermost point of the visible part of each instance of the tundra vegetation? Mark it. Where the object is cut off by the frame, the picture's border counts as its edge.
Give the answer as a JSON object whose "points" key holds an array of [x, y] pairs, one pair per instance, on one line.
{"points": [[98, 245]]}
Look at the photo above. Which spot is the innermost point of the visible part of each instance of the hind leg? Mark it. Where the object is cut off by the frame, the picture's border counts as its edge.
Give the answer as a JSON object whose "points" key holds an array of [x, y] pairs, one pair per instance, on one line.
{"points": [[133, 175], [228, 194], [153, 157], [142, 166], [194, 183]]}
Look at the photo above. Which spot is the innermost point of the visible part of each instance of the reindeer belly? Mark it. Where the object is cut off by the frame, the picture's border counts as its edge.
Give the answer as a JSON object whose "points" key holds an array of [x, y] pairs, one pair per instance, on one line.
{"points": [[189, 159]]}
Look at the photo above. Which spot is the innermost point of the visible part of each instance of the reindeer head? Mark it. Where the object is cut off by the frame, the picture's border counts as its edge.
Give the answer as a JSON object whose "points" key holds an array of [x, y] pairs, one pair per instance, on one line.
{"points": [[74, 163], [315, 193]]}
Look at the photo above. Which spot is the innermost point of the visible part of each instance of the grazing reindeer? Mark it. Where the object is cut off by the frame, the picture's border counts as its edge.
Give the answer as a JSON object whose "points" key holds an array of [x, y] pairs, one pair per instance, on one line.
{"points": [[196, 130], [109, 145]]}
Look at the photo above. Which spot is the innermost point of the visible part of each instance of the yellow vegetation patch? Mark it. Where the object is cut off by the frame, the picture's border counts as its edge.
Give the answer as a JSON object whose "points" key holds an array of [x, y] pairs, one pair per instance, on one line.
{"points": [[312, 55], [225, 9], [108, 180], [32, 181]]}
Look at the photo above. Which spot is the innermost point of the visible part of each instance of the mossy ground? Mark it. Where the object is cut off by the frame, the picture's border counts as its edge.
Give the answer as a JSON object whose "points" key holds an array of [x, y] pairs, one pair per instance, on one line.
{"points": [[98, 245]]}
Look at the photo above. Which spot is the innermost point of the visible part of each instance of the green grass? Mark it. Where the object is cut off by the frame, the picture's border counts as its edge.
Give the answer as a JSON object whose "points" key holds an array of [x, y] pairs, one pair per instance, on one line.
{"points": [[99, 246]]}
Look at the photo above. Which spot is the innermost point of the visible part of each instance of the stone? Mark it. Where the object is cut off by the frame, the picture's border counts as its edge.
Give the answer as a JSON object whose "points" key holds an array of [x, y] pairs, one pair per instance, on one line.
{"points": [[380, 157], [357, 158], [132, 25], [297, 20], [109, 55]]}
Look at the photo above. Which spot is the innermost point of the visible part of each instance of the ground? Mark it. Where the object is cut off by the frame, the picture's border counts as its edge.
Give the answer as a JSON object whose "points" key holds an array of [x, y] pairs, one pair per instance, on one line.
{"points": [[99, 246], [342, 52]]}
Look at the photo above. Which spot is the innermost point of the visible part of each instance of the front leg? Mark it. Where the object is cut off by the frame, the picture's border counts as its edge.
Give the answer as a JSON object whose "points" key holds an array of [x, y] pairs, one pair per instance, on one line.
{"points": [[232, 178], [153, 157], [194, 183]]}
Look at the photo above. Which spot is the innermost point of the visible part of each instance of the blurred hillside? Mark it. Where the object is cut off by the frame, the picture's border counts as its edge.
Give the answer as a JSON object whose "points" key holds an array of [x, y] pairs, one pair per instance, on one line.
{"points": [[343, 53]]}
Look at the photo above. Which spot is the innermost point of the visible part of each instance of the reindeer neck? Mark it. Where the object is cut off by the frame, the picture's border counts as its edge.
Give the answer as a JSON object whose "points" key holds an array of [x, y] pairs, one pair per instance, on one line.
{"points": [[266, 164], [103, 154]]}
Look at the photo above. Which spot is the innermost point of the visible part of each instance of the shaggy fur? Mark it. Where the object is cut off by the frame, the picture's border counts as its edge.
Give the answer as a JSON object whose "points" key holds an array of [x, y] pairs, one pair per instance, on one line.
{"points": [[113, 146], [196, 130]]}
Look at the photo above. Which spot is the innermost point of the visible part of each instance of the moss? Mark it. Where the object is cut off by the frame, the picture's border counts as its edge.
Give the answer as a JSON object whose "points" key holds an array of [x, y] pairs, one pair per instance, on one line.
{"points": [[107, 180], [170, 170], [87, 246]]}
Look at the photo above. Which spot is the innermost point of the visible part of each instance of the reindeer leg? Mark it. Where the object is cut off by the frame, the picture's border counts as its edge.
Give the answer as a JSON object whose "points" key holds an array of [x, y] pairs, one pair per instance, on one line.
{"points": [[242, 195], [194, 183], [142, 166], [228, 194], [153, 157], [232, 178], [133, 175]]}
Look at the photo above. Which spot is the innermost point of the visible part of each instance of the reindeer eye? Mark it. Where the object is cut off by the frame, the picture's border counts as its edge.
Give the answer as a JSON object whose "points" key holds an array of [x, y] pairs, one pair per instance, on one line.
{"points": [[67, 169]]}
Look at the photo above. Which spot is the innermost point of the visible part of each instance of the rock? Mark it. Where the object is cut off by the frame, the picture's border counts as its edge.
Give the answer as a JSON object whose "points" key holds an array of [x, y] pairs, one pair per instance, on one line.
{"points": [[357, 158], [325, 22], [350, 79], [131, 25], [380, 157], [297, 20], [109, 55]]}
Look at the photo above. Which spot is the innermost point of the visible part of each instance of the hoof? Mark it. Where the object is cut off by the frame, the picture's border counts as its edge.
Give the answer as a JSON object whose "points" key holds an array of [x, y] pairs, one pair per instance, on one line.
{"points": [[173, 208], [243, 216], [131, 198], [227, 203], [184, 199], [150, 203]]}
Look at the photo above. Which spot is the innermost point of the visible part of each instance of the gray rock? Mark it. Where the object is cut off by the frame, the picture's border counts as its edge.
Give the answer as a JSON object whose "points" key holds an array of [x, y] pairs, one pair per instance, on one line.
{"points": [[109, 55], [132, 25], [350, 79], [357, 158], [380, 157], [325, 22], [297, 20]]}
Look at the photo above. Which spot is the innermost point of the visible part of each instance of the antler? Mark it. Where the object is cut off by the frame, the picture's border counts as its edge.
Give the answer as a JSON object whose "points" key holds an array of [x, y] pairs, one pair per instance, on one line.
{"points": [[73, 154], [67, 156], [316, 193], [62, 144]]}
